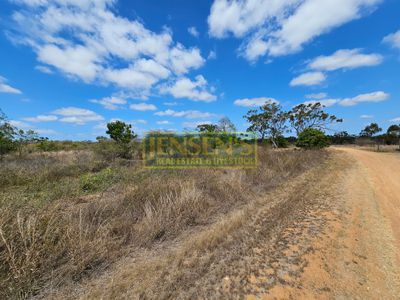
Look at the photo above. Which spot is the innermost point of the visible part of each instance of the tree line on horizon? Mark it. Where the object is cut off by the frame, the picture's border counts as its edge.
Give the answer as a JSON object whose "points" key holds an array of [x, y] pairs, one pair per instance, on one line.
{"points": [[269, 122]]}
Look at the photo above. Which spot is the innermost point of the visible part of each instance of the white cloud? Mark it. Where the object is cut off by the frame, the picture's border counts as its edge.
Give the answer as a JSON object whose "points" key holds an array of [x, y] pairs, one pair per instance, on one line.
{"points": [[142, 107], [193, 31], [393, 39], [42, 118], [20, 124], [345, 59], [87, 40], [110, 103], [317, 96], [189, 114], [309, 79], [366, 117], [5, 88], [325, 102], [370, 97], [45, 131], [140, 121], [395, 120], [281, 27], [212, 55], [78, 116], [164, 122], [192, 125], [193, 90], [44, 69], [254, 102], [174, 103]]}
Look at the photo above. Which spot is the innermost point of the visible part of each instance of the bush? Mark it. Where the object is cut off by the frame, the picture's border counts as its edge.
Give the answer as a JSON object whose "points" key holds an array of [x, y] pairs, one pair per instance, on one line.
{"points": [[312, 138], [97, 181]]}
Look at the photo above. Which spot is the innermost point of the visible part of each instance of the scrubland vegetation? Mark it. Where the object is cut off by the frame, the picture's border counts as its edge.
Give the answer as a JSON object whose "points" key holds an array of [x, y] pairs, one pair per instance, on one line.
{"points": [[66, 216], [71, 210]]}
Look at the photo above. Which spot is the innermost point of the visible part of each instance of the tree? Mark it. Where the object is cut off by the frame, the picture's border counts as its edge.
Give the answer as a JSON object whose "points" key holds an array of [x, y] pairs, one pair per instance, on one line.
{"points": [[311, 115], [23, 138], [226, 125], [311, 138], [343, 137], [207, 128], [370, 130], [7, 132], [394, 132], [268, 121], [122, 134]]}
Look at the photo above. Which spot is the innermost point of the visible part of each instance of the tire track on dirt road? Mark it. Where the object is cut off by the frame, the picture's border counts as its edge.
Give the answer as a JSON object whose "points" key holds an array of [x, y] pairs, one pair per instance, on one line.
{"points": [[359, 257]]}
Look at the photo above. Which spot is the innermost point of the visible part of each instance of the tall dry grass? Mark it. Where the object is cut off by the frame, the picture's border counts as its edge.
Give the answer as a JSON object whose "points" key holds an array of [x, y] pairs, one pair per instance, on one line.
{"points": [[73, 237]]}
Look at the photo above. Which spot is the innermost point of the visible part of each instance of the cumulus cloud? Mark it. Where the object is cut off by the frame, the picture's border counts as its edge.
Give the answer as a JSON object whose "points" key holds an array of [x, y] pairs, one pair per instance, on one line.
{"points": [[110, 103], [345, 59], [192, 125], [341, 59], [193, 31], [189, 114], [309, 79], [164, 122], [254, 102], [142, 107], [395, 120], [366, 116], [373, 97], [369, 97], [75, 115], [44, 69], [42, 118], [277, 28], [393, 39], [8, 89], [87, 40], [317, 96], [196, 90]]}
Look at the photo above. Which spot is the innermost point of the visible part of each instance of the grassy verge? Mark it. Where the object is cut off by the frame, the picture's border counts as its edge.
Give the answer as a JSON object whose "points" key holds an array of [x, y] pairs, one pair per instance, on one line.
{"points": [[68, 219]]}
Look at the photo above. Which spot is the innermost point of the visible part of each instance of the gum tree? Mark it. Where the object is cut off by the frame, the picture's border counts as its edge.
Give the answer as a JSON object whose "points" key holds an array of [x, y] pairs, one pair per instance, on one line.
{"points": [[311, 115]]}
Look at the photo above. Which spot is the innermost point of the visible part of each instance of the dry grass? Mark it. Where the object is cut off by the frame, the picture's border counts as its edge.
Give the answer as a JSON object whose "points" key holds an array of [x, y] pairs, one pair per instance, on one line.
{"points": [[76, 233]]}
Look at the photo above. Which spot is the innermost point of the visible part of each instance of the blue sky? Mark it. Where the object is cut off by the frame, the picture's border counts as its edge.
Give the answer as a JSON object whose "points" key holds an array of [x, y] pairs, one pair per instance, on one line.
{"points": [[70, 66]]}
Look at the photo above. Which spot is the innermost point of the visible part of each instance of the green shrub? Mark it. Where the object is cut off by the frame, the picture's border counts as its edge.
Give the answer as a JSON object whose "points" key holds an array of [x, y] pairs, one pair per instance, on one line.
{"points": [[97, 181], [312, 138]]}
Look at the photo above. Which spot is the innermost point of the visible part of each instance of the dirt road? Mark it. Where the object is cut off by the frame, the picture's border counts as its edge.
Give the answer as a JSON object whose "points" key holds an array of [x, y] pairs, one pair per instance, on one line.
{"points": [[332, 233], [359, 257]]}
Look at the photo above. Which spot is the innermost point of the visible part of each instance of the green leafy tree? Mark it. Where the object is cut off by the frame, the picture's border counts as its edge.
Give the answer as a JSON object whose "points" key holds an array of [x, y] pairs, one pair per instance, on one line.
{"points": [[312, 138], [207, 128], [371, 130], [123, 135], [23, 138], [7, 132], [394, 133], [269, 121], [311, 115], [226, 125]]}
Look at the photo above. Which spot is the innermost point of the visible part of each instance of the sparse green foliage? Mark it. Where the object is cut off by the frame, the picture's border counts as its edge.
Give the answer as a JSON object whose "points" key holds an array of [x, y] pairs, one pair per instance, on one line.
{"points": [[393, 133], [94, 182], [7, 132], [122, 134], [310, 115], [269, 121], [226, 125], [371, 130], [312, 138], [207, 128]]}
